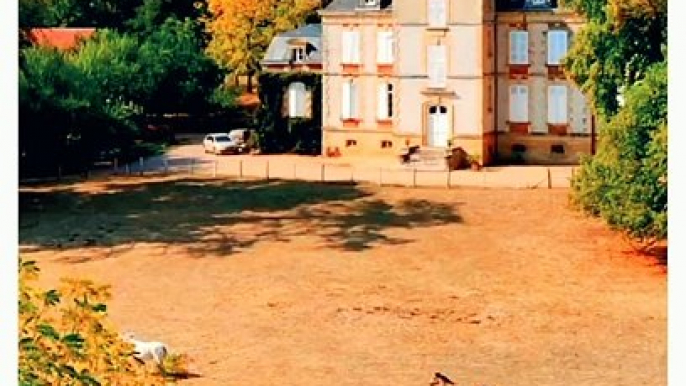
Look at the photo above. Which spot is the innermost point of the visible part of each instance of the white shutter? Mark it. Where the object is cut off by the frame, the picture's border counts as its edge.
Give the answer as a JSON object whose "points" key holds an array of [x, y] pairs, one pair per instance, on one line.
{"points": [[557, 46], [296, 99], [302, 96], [345, 47], [346, 108], [557, 105], [519, 47], [382, 101], [354, 108], [292, 101], [384, 47], [355, 47], [519, 103], [524, 103], [437, 13], [437, 66], [350, 47], [513, 104]]}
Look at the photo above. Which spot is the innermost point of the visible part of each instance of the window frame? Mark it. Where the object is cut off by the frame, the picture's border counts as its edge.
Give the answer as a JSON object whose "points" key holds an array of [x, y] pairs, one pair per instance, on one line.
{"points": [[518, 47], [518, 110]]}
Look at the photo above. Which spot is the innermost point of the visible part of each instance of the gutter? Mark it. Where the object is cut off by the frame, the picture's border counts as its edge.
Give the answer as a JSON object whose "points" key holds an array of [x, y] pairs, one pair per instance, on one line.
{"points": [[496, 103]]}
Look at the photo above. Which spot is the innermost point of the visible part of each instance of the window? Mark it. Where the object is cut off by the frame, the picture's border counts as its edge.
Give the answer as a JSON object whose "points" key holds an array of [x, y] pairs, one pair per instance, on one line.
{"points": [[437, 66], [384, 47], [519, 103], [298, 54], [557, 149], [385, 101], [438, 13], [296, 100], [370, 2], [349, 100], [350, 47], [519, 47], [557, 46], [557, 105]]}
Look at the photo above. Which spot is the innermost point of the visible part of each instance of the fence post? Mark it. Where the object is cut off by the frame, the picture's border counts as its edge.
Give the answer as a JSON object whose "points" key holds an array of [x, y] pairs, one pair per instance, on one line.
{"points": [[295, 171], [59, 172], [267, 170], [140, 166], [165, 164], [550, 182], [414, 177], [240, 168], [127, 169], [381, 176], [352, 174], [323, 172], [214, 170], [116, 166], [192, 165], [449, 179]]}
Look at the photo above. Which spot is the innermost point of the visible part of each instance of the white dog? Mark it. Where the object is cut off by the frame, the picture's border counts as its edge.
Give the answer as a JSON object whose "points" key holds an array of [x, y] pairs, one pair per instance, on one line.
{"points": [[147, 351]]}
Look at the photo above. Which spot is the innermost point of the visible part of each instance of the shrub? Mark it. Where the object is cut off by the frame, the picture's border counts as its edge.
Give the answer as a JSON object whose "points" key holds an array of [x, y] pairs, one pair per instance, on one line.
{"points": [[66, 338], [626, 182]]}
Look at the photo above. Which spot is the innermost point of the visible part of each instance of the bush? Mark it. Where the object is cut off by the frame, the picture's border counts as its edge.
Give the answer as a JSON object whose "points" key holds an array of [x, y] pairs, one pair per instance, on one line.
{"points": [[65, 336], [626, 182]]}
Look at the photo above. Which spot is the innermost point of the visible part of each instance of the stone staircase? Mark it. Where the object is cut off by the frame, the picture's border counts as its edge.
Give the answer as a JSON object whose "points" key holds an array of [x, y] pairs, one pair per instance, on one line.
{"points": [[428, 158]]}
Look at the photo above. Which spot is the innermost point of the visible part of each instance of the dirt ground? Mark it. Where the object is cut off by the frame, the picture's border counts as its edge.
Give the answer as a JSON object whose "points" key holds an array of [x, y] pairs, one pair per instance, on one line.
{"points": [[292, 283]]}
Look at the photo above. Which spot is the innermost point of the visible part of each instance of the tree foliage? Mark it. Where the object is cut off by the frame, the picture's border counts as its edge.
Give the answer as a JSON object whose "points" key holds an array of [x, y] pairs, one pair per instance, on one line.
{"points": [[241, 30], [95, 99], [65, 337], [619, 42], [622, 49]]}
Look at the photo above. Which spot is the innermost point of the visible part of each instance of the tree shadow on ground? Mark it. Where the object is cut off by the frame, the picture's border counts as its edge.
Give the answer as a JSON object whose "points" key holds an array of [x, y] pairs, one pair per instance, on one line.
{"points": [[215, 217]]}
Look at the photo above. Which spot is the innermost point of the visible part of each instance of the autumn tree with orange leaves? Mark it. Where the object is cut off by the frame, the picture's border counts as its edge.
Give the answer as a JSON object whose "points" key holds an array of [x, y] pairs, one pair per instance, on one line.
{"points": [[241, 30]]}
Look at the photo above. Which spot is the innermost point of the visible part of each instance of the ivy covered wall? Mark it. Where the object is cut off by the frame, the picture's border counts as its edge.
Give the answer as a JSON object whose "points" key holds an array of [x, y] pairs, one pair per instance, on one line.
{"points": [[278, 133]]}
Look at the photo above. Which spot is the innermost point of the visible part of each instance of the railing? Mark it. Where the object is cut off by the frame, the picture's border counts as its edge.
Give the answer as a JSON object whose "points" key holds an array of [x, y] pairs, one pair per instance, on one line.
{"points": [[267, 168]]}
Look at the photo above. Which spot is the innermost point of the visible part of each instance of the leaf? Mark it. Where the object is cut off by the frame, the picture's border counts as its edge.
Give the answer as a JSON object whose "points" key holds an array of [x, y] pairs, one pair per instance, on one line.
{"points": [[51, 297], [73, 340], [100, 307], [48, 331]]}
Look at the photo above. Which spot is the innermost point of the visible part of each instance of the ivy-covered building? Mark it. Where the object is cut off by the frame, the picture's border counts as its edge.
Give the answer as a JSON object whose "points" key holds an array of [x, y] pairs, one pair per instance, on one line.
{"points": [[290, 91]]}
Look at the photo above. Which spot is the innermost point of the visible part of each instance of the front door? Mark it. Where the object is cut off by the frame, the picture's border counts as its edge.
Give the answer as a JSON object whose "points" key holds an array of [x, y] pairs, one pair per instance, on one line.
{"points": [[437, 133]]}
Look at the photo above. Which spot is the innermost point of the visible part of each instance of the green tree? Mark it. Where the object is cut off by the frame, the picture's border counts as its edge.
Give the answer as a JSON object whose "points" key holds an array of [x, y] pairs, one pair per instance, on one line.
{"points": [[620, 40], [621, 51]]}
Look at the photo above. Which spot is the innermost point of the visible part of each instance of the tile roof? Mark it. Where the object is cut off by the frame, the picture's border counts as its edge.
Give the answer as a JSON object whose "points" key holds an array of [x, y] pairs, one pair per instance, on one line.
{"points": [[352, 5], [63, 38]]}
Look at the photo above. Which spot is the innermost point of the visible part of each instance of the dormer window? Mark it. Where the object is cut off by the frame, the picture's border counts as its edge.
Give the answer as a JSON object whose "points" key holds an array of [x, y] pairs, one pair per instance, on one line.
{"points": [[369, 4], [298, 54]]}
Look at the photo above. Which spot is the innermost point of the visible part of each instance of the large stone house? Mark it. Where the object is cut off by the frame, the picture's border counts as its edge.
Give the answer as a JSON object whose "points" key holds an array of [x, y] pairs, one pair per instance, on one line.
{"points": [[481, 75]]}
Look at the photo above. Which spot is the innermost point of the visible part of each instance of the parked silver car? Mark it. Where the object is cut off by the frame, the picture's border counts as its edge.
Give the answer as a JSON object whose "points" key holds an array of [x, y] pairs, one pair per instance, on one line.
{"points": [[220, 143]]}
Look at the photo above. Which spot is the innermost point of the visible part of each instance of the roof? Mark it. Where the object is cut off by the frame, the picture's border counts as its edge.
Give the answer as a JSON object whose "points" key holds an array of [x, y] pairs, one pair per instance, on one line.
{"points": [[352, 5], [306, 31], [279, 50], [63, 38]]}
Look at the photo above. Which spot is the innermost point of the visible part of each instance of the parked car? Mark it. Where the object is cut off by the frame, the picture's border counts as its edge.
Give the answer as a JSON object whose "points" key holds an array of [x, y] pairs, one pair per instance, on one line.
{"points": [[221, 143]]}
